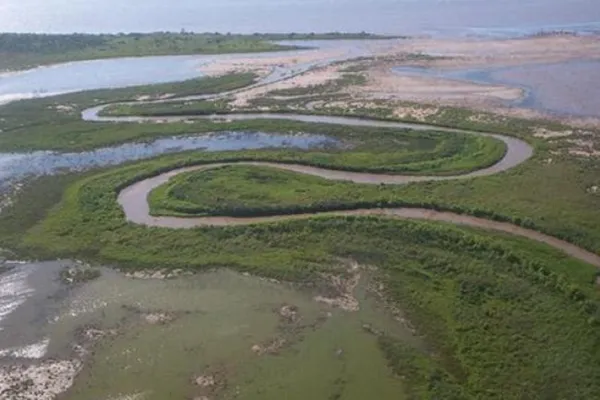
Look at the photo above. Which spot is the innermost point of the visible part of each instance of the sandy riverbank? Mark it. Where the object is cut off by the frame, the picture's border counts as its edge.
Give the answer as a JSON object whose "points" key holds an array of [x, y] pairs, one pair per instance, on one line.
{"points": [[382, 83]]}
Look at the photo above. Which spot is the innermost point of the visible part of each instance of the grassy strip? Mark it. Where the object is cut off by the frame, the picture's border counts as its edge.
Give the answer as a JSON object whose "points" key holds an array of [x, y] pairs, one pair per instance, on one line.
{"points": [[250, 191], [54, 123], [245, 191], [221, 107], [30, 206], [200, 86], [377, 150], [551, 192], [18, 51], [170, 109], [505, 317]]}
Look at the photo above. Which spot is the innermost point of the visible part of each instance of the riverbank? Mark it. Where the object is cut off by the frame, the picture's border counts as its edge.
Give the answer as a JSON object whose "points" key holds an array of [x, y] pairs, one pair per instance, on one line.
{"points": [[23, 50], [376, 61], [358, 292], [302, 249]]}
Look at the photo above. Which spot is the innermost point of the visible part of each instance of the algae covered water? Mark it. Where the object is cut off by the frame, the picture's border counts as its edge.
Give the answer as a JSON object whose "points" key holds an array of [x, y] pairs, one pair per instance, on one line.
{"points": [[217, 334]]}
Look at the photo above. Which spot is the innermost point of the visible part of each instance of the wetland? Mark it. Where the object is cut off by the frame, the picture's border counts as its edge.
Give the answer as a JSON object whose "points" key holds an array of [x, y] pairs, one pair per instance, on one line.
{"points": [[231, 243]]}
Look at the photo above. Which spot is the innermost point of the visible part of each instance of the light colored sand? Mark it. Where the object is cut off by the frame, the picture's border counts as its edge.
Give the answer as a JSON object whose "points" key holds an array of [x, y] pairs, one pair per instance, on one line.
{"points": [[548, 134], [44, 381], [314, 77], [383, 84], [263, 64], [583, 148], [32, 351], [471, 52], [134, 396], [205, 381]]}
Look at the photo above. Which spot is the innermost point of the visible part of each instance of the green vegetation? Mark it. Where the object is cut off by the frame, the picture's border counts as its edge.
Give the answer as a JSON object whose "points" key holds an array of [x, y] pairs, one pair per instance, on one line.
{"points": [[501, 317], [54, 123], [30, 206], [363, 149], [567, 212], [504, 317], [243, 190], [19, 51], [424, 377], [170, 109], [549, 193]]}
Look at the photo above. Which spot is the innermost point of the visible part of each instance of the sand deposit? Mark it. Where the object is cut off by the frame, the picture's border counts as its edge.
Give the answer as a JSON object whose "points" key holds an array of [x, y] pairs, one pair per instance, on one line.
{"points": [[342, 290], [37, 382], [384, 84]]}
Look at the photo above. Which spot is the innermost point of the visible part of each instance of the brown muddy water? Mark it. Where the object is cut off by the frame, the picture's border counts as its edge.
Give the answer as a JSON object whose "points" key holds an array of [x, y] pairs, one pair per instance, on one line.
{"points": [[134, 201], [217, 334]]}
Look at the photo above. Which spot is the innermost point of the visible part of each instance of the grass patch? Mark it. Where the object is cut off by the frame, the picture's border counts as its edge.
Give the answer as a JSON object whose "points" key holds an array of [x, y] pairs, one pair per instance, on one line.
{"points": [[376, 150], [527, 195], [504, 317], [31, 205], [19, 51], [55, 123], [248, 191]]}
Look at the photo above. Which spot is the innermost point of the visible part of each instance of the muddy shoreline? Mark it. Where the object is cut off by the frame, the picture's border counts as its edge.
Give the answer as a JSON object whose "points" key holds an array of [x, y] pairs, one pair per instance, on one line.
{"points": [[201, 332], [557, 52]]}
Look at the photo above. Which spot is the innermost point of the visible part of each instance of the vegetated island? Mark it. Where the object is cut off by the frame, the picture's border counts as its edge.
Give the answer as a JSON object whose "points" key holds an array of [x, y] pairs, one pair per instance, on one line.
{"points": [[27, 50]]}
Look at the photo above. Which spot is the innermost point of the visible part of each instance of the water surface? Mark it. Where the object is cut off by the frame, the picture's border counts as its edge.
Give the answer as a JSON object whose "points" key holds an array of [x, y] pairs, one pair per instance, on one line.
{"points": [[565, 88], [16, 166], [157, 336], [97, 74], [134, 71]]}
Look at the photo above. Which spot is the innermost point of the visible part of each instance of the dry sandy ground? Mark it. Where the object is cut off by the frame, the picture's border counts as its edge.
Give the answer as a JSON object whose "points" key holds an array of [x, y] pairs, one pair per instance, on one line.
{"points": [[263, 64], [462, 52], [382, 83], [37, 382], [318, 76], [472, 52]]}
